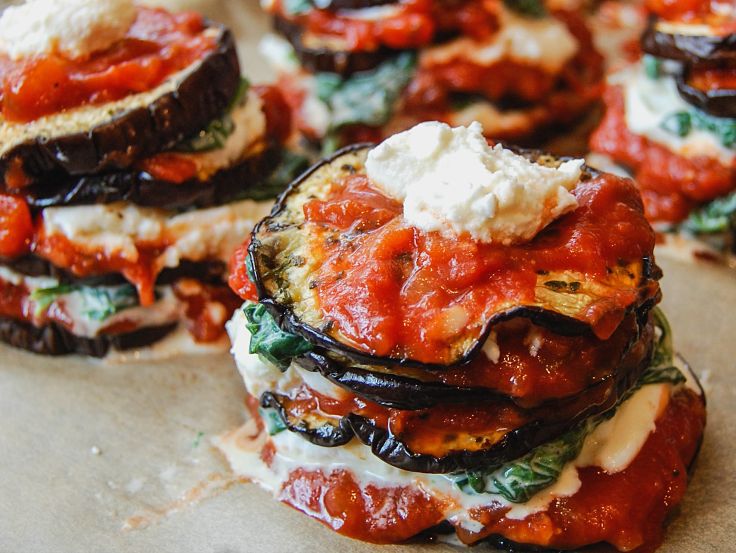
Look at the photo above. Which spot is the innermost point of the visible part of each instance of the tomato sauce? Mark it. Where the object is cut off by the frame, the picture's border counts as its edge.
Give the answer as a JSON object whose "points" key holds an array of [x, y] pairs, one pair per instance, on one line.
{"points": [[16, 226], [391, 289], [206, 310], [157, 45], [710, 78], [715, 13], [671, 185], [626, 509], [238, 278]]}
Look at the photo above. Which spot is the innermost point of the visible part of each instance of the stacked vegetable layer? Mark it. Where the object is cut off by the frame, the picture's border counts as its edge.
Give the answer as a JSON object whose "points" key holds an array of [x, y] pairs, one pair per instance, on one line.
{"points": [[671, 119], [357, 71], [457, 381], [129, 176]]}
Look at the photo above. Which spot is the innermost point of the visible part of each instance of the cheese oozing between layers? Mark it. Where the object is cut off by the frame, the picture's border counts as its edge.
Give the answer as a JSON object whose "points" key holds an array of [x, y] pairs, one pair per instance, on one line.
{"points": [[72, 28], [450, 180], [612, 446]]}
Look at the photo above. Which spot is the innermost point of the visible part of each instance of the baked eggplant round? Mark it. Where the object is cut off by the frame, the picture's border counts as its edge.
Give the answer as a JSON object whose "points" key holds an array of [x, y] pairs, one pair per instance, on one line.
{"points": [[692, 48], [719, 102]]}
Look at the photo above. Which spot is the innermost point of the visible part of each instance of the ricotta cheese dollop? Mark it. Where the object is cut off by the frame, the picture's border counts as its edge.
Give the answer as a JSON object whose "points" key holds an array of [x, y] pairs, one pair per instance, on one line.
{"points": [[72, 28], [450, 180]]}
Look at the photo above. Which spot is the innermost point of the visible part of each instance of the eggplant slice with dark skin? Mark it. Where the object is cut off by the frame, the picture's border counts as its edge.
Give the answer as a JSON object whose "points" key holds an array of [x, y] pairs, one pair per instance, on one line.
{"points": [[242, 180], [278, 252], [126, 137], [543, 424], [407, 391], [53, 339], [695, 49], [717, 102], [326, 60]]}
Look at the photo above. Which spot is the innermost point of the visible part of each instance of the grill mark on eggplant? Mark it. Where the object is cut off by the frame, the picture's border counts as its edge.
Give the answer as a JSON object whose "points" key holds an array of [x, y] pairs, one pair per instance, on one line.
{"points": [[142, 189], [53, 339], [694, 49], [135, 134], [208, 272], [325, 60], [261, 259]]}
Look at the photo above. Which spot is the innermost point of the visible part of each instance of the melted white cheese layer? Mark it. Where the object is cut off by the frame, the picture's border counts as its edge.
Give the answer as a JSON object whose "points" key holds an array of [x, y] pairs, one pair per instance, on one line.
{"points": [[612, 445], [120, 228], [545, 42], [648, 102]]}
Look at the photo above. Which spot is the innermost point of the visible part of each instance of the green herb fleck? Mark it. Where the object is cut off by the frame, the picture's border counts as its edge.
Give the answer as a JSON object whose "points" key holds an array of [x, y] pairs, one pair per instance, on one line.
{"points": [[718, 216], [528, 8], [652, 66], [197, 440], [679, 123], [272, 421]]}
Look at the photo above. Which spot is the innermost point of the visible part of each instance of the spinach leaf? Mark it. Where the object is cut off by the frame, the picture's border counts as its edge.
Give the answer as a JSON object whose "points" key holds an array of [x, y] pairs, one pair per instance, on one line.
{"points": [[44, 297], [272, 421], [367, 97], [652, 66], [103, 303], [528, 8], [290, 167], [296, 7], [519, 480], [216, 133], [271, 343], [718, 216], [682, 123]]}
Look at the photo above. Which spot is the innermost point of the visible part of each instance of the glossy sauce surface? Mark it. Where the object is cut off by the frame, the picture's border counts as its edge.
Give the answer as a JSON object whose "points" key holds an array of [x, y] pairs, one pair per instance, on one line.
{"points": [[157, 45], [391, 289]]}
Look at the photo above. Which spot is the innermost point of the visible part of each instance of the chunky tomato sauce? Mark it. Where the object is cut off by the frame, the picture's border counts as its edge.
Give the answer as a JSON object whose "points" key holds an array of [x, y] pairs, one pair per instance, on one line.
{"points": [[715, 13], [16, 226], [157, 45], [207, 308], [626, 509], [391, 289], [671, 185]]}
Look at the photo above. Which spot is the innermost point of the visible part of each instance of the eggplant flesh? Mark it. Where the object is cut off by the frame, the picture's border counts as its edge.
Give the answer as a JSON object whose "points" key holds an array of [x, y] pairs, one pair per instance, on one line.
{"points": [[402, 391], [53, 339], [280, 249], [142, 189], [695, 49], [327, 60], [130, 136], [717, 102]]}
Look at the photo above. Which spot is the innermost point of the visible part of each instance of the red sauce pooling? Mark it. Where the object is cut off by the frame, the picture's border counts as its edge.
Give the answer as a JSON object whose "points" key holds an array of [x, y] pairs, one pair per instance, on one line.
{"points": [[394, 290], [157, 45], [671, 184], [626, 509]]}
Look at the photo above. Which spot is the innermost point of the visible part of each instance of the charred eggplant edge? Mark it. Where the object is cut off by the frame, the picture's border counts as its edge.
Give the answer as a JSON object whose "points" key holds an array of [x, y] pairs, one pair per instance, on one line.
{"points": [[134, 134], [289, 321]]}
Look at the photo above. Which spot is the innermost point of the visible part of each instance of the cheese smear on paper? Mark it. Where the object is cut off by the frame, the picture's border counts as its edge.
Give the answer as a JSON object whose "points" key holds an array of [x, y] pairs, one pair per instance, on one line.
{"points": [[450, 180]]}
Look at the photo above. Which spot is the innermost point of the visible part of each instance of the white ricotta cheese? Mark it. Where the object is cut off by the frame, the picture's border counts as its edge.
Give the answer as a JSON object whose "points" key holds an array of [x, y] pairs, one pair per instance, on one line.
{"points": [[648, 102], [120, 228], [373, 13], [451, 181], [72, 28], [545, 42]]}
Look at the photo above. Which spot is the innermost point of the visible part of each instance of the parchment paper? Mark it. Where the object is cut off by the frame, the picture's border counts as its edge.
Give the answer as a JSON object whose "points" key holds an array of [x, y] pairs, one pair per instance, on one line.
{"points": [[100, 457]]}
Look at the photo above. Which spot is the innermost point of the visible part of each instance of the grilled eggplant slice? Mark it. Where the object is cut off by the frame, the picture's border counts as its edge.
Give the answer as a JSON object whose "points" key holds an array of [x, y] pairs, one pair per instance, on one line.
{"points": [[53, 339], [413, 389], [421, 441], [322, 59], [718, 102], [284, 273], [246, 179], [334, 5], [91, 139], [664, 42]]}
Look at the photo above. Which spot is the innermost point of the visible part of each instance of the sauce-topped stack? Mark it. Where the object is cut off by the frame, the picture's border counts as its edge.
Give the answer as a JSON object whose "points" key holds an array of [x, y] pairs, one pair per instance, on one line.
{"points": [[362, 70], [441, 335], [132, 156]]}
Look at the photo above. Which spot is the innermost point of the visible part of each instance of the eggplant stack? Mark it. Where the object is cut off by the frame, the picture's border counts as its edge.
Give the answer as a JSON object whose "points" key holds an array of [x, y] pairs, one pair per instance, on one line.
{"points": [[130, 174], [388, 404], [671, 119], [362, 70]]}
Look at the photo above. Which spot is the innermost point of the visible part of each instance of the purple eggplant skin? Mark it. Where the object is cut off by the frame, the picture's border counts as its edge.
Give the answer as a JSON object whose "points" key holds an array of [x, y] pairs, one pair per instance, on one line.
{"points": [[208, 272], [324, 60], [719, 102], [335, 5], [288, 320], [54, 340], [327, 435], [688, 48], [142, 189], [133, 135]]}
